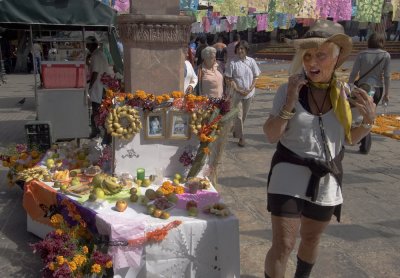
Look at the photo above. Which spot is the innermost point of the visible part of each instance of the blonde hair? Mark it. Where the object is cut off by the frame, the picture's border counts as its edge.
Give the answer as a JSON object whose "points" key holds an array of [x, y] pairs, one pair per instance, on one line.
{"points": [[296, 67]]}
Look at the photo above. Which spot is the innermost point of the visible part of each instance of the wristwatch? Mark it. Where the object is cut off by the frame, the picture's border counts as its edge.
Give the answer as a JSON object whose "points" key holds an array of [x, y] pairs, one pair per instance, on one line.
{"points": [[366, 125]]}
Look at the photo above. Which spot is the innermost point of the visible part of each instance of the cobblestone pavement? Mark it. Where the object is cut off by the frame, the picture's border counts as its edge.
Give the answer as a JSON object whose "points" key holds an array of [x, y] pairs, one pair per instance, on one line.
{"points": [[364, 244]]}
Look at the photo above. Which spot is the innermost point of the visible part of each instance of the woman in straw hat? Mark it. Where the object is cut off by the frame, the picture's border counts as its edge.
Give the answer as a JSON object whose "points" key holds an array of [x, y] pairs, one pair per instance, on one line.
{"points": [[311, 120]]}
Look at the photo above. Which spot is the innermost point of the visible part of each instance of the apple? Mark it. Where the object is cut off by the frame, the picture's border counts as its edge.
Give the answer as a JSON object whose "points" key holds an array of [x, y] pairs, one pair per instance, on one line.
{"points": [[146, 183], [121, 205], [134, 198], [193, 211], [157, 213], [133, 191], [50, 163], [150, 209], [99, 193], [165, 215]]}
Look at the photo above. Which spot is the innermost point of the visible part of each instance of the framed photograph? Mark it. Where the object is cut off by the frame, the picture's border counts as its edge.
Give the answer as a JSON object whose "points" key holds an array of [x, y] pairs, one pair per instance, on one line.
{"points": [[154, 125], [178, 125]]}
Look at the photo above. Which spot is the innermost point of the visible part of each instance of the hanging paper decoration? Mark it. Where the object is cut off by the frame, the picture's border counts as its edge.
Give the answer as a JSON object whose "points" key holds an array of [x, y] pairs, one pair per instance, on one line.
{"points": [[336, 9], [308, 10], [396, 10], [259, 5], [188, 5], [289, 6], [121, 6], [261, 22], [271, 15], [369, 10]]}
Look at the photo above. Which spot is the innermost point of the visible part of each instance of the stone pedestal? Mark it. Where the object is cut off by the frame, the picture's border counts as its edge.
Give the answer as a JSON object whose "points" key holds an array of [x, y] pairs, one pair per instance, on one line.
{"points": [[155, 46]]}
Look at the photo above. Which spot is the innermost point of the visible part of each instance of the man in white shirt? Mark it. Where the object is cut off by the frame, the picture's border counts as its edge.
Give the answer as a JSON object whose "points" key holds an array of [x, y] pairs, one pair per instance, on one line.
{"points": [[98, 65]]}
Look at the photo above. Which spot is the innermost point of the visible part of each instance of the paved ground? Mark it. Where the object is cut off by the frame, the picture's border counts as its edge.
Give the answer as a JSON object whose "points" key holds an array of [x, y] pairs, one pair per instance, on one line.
{"points": [[365, 244]]}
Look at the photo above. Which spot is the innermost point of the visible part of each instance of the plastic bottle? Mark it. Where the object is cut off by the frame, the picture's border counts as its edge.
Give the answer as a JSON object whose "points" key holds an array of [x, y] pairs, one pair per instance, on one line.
{"points": [[385, 105]]}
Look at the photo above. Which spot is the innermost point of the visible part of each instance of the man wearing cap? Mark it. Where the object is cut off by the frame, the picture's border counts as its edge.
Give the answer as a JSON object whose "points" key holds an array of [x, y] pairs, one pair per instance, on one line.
{"points": [[311, 121], [98, 65]]}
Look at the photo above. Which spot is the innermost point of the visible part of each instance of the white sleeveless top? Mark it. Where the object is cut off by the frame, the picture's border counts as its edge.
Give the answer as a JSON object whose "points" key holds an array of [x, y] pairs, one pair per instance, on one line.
{"points": [[303, 136]]}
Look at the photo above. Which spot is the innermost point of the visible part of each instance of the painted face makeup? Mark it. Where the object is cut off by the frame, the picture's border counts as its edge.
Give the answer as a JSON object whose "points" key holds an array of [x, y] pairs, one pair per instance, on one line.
{"points": [[319, 63]]}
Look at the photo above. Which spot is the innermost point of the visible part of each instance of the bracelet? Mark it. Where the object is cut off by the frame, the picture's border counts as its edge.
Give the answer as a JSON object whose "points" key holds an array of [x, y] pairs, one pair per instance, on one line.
{"points": [[366, 125], [286, 115]]}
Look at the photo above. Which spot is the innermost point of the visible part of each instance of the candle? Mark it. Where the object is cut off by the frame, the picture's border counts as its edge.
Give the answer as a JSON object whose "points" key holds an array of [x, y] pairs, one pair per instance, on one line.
{"points": [[140, 174]]}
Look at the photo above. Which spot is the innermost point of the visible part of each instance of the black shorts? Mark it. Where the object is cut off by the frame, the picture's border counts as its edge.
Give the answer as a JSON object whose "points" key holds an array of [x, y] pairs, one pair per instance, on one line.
{"points": [[292, 207]]}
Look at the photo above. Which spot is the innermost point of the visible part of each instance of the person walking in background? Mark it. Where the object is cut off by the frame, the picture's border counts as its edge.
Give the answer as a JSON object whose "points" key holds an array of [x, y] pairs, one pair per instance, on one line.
{"points": [[202, 44], [241, 73], [372, 66], [310, 120], [211, 80], [190, 77], [37, 54], [220, 46], [230, 49], [362, 31], [98, 65]]}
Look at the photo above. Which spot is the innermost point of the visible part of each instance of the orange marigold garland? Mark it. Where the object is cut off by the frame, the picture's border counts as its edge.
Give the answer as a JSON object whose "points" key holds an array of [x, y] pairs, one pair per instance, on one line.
{"points": [[155, 236], [387, 125]]}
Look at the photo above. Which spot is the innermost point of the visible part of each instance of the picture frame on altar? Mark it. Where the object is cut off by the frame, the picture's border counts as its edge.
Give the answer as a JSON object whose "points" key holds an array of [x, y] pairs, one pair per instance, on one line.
{"points": [[154, 125], [178, 127]]}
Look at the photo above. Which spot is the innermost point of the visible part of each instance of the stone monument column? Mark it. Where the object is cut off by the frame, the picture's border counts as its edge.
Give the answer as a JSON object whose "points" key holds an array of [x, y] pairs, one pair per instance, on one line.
{"points": [[155, 39]]}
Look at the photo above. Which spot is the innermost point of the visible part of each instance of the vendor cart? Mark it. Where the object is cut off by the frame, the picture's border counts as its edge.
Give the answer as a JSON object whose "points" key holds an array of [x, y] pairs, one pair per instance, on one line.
{"points": [[61, 94]]}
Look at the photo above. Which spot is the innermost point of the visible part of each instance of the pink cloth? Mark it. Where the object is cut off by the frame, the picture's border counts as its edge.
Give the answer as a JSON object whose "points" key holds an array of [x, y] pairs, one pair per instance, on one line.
{"points": [[206, 24], [122, 229], [122, 6], [261, 22], [202, 198], [337, 9]]}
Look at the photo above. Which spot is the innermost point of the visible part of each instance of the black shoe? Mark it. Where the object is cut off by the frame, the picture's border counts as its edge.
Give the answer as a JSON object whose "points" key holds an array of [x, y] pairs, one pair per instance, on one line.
{"points": [[366, 142]]}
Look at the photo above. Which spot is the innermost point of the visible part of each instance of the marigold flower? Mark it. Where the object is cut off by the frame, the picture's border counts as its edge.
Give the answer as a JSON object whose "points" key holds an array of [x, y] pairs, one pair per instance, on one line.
{"points": [[51, 266], [179, 189], [72, 266], [60, 260], [79, 260], [23, 156], [85, 249], [59, 232], [96, 268], [109, 264], [121, 98], [109, 93], [206, 150], [129, 96], [56, 219], [177, 94]]}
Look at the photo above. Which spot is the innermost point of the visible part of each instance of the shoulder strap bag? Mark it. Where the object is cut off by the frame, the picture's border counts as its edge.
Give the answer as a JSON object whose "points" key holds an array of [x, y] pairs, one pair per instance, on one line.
{"points": [[356, 82]]}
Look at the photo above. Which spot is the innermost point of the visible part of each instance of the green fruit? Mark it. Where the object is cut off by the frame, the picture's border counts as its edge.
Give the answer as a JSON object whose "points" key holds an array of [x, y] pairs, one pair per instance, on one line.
{"points": [[57, 184], [134, 198], [150, 209], [138, 182], [63, 187], [151, 194], [177, 177], [75, 181], [193, 211], [146, 183], [172, 198], [176, 182], [157, 213], [92, 197], [99, 193], [98, 179]]}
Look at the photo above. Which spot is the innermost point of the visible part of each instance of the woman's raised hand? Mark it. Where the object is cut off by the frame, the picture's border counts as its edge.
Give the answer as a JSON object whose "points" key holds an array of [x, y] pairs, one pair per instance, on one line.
{"points": [[365, 104]]}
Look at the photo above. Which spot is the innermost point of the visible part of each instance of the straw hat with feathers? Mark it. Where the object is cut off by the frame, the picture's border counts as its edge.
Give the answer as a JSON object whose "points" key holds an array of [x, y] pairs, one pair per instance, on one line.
{"points": [[325, 31]]}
